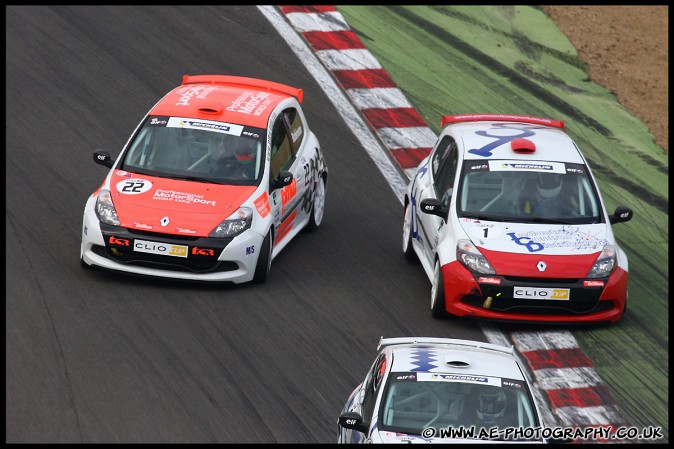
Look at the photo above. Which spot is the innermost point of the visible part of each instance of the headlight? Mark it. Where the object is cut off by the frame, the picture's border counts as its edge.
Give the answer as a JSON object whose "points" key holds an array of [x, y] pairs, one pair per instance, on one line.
{"points": [[472, 258], [605, 264], [235, 224], [105, 210]]}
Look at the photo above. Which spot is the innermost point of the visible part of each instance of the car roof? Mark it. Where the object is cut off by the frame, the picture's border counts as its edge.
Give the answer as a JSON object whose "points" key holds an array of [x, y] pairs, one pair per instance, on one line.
{"points": [[453, 356], [231, 99], [537, 139]]}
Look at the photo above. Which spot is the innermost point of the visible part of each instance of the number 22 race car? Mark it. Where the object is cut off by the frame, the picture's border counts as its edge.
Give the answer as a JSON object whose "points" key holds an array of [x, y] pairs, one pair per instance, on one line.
{"points": [[214, 182]]}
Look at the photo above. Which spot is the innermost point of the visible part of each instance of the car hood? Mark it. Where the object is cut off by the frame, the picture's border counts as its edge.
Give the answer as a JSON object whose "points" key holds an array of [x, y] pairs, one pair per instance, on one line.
{"points": [[519, 248], [173, 206]]}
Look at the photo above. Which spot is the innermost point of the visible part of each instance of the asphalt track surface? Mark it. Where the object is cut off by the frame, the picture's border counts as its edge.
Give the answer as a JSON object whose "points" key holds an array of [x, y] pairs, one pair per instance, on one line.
{"points": [[98, 357]]}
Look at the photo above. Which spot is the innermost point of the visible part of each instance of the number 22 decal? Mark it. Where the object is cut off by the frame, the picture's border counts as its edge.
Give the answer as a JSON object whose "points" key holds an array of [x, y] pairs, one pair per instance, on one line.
{"points": [[133, 186], [136, 186]]}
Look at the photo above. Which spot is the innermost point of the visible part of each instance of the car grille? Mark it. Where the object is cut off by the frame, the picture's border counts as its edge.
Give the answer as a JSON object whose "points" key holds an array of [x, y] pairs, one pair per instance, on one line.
{"points": [[582, 300], [166, 263]]}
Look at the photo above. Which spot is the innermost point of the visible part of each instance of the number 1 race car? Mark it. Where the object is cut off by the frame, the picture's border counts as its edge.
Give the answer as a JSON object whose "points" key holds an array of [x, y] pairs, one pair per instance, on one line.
{"points": [[508, 223], [214, 182]]}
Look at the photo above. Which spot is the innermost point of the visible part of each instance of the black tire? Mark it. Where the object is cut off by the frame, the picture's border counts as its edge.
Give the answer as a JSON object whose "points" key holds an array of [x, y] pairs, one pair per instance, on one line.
{"points": [[263, 265], [438, 309], [408, 249], [318, 206]]}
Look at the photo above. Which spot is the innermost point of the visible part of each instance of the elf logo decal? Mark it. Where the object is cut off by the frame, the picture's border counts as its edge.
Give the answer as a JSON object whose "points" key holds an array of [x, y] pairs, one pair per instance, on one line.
{"points": [[532, 246], [485, 151]]}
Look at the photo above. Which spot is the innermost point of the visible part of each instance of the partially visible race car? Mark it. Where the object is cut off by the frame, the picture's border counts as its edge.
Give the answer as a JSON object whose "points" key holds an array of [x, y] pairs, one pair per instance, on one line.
{"points": [[214, 182], [508, 223], [440, 390]]}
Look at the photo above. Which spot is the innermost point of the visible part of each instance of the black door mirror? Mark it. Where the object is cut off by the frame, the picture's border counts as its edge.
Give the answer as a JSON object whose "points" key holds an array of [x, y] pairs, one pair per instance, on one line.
{"points": [[621, 214], [353, 420], [103, 157], [283, 179], [433, 207]]}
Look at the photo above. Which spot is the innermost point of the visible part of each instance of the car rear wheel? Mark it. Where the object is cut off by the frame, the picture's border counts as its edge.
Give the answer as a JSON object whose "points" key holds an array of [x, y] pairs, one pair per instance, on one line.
{"points": [[438, 309], [408, 250], [318, 208], [263, 265]]}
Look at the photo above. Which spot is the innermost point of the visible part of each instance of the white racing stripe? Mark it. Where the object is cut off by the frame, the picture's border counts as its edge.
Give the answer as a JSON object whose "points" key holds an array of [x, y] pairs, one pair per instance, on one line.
{"points": [[413, 137], [536, 341], [589, 416], [325, 21], [567, 378], [378, 98]]}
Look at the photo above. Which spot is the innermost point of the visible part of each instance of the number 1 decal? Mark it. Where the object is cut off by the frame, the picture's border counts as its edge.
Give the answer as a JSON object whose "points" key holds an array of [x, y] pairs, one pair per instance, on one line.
{"points": [[485, 231]]}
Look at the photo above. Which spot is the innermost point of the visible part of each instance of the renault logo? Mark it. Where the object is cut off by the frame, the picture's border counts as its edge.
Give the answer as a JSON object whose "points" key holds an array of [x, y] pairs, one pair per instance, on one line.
{"points": [[541, 266], [164, 221]]}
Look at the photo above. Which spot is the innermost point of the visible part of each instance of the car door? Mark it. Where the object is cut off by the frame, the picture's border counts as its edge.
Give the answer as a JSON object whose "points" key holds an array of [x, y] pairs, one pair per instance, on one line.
{"points": [[365, 400], [287, 143], [442, 169]]}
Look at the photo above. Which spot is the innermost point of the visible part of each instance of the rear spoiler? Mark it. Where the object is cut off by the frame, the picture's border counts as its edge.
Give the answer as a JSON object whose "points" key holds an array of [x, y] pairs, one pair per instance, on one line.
{"points": [[443, 341], [244, 81], [500, 117]]}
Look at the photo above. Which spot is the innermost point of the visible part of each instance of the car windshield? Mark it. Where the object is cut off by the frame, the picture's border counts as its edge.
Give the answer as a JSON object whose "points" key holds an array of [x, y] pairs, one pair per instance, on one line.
{"points": [[197, 150], [528, 192], [418, 400]]}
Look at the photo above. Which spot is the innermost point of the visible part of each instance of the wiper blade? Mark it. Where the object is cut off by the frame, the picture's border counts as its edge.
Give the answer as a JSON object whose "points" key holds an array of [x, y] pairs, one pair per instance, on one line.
{"points": [[189, 178], [485, 217], [548, 221]]}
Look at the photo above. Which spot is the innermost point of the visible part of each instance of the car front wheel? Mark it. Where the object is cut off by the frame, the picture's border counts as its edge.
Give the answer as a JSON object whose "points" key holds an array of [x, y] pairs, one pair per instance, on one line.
{"points": [[263, 265], [408, 250], [438, 309]]}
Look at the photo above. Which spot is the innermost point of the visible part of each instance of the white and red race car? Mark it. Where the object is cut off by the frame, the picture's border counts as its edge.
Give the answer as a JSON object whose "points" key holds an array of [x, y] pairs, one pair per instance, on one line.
{"points": [[508, 223], [214, 182]]}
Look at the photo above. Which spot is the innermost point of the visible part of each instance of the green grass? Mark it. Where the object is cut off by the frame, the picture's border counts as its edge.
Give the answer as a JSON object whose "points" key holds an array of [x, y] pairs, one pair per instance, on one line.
{"points": [[514, 60]]}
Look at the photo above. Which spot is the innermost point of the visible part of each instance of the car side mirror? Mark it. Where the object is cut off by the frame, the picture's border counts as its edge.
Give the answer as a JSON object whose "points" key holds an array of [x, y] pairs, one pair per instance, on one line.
{"points": [[433, 207], [353, 420], [283, 179], [103, 157], [621, 214]]}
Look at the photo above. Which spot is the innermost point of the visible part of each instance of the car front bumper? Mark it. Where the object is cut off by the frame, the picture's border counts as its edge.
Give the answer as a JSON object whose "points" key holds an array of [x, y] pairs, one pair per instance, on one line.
{"points": [[493, 297], [191, 258]]}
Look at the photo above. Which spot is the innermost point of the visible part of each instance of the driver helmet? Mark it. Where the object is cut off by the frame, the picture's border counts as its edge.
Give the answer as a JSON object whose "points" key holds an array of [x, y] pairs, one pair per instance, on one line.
{"points": [[491, 405], [548, 184], [245, 151], [216, 143]]}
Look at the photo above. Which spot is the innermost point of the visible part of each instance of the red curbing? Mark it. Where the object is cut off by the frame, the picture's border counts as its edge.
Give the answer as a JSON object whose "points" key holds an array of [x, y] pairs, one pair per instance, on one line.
{"points": [[370, 87]]}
